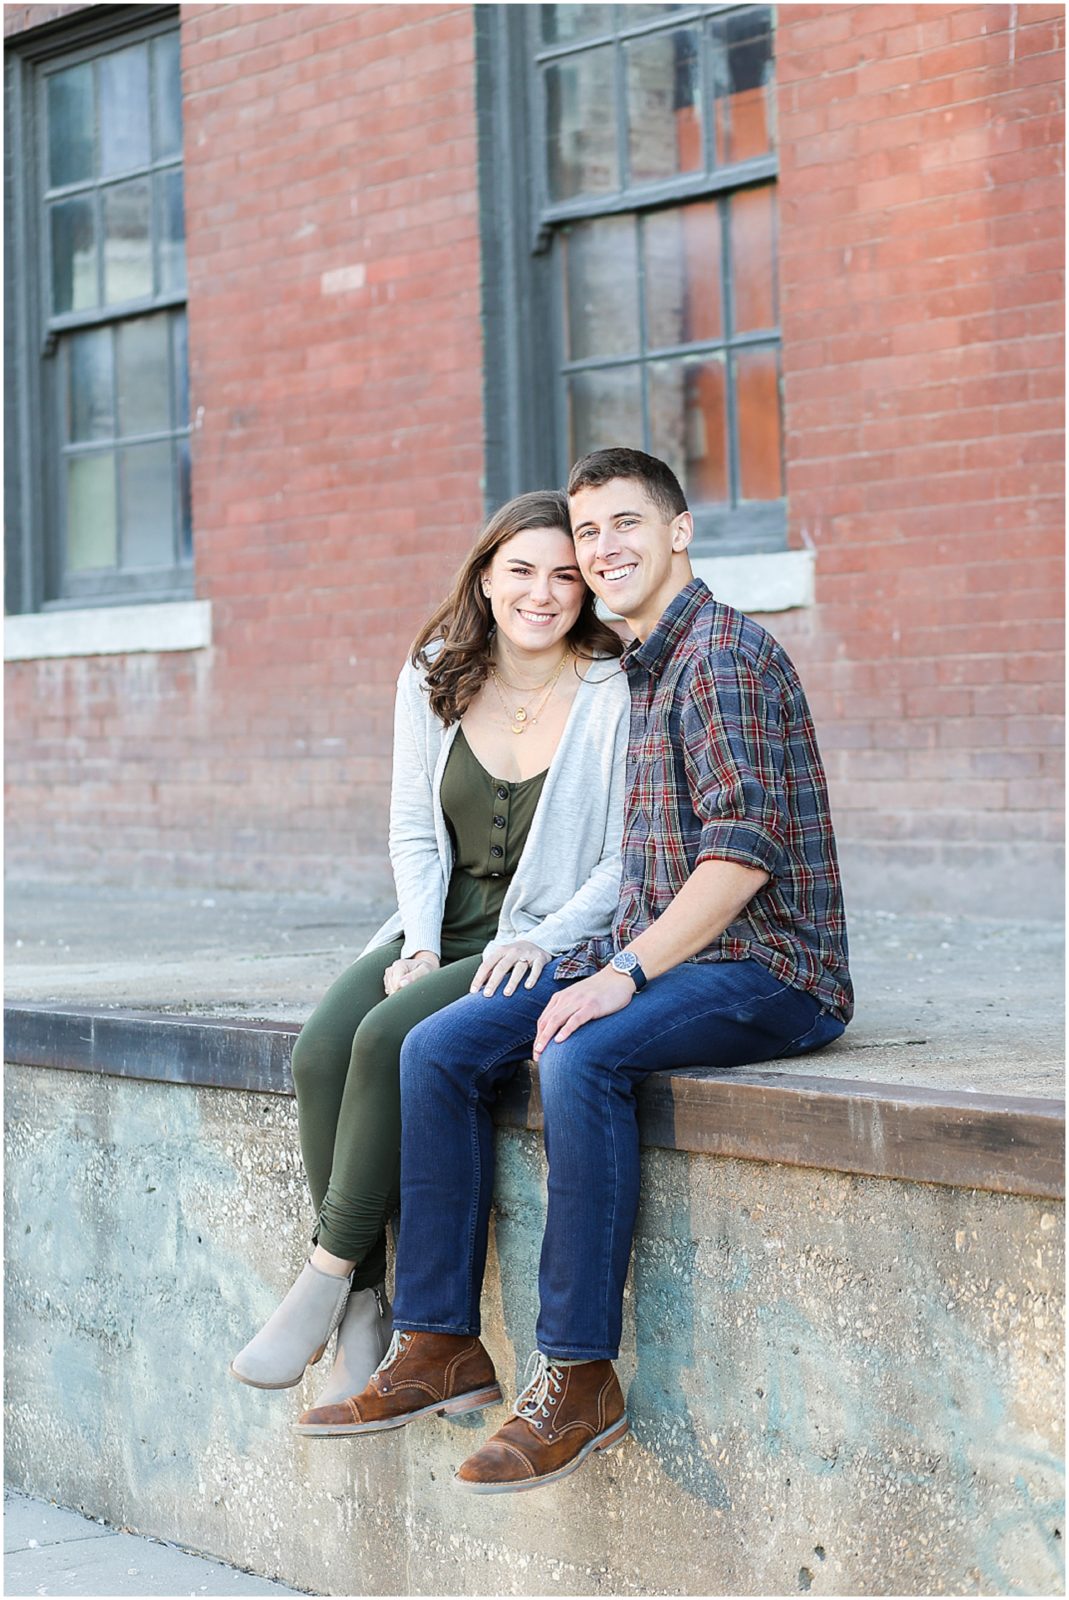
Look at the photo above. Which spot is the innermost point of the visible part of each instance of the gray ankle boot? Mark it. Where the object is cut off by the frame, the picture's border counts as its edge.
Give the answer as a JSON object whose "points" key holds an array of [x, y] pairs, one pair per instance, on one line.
{"points": [[363, 1338], [295, 1335]]}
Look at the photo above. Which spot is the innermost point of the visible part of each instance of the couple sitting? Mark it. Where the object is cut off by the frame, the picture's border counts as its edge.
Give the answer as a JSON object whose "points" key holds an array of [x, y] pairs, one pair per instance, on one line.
{"points": [[713, 934]]}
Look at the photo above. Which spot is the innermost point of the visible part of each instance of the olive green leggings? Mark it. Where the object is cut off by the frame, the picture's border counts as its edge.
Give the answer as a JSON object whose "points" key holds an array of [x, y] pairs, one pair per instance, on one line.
{"points": [[346, 1073]]}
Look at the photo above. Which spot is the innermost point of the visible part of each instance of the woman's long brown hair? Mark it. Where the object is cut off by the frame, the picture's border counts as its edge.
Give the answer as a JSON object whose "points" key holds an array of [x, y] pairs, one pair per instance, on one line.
{"points": [[464, 622]]}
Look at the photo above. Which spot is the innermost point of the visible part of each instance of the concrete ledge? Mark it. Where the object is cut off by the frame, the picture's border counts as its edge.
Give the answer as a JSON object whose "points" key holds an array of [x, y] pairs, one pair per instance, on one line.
{"points": [[1006, 1144], [109, 630], [836, 1384]]}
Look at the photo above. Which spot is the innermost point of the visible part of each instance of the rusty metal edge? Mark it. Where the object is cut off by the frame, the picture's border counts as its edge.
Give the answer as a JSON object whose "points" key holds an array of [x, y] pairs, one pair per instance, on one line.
{"points": [[1006, 1144]]}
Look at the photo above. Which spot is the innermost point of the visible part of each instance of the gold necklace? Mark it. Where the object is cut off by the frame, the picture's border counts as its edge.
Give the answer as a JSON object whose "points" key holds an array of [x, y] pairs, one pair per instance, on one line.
{"points": [[521, 719], [522, 688]]}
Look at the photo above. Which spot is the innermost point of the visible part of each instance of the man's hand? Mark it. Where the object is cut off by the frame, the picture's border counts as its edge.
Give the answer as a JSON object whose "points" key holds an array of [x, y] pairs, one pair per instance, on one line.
{"points": [[607, 991], [409, 969], [521, 958]]}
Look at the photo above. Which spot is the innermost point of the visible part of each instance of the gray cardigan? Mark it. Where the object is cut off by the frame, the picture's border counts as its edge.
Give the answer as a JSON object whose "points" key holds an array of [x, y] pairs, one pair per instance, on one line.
{"points": [[567, 881]]}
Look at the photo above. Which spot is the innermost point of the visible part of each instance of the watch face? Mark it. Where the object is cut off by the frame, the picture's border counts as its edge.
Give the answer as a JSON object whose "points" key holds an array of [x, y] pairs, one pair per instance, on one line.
{"points": [[625, 961]]}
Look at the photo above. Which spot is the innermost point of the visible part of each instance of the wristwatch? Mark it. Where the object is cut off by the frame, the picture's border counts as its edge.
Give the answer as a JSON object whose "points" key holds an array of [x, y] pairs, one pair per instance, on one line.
{"points": [[626, 961]]}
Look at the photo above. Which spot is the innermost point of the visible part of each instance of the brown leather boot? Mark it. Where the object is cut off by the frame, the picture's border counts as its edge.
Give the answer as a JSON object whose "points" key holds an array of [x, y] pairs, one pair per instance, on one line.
{"points": [[421, 1373], [563, 1415]]}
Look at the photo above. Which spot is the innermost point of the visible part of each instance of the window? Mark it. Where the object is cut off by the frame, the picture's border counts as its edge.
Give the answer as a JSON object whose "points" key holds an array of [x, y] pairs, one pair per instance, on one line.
{"points": [[97, 279], [630, 241]]}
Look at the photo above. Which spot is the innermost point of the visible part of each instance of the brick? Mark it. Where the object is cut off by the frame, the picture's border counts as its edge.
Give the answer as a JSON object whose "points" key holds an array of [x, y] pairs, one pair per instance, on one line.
{"points": [[920, 251]]}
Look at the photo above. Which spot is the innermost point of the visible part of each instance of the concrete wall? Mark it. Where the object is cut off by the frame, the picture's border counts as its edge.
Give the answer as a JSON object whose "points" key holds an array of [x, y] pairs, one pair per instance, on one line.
{"points": [[836, 1384]]}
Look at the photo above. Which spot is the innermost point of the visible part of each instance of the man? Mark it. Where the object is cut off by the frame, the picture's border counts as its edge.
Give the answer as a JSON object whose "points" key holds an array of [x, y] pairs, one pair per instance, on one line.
{"points": [[728, 946]]}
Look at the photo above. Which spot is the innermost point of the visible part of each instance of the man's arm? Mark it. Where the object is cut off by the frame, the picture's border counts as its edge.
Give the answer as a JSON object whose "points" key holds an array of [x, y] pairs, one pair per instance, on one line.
{"points": [[732, 750], [710, 901]]}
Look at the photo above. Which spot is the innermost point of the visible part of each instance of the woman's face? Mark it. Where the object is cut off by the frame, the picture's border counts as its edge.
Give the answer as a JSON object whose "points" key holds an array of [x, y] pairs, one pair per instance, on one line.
{"points": [[534, 588]]}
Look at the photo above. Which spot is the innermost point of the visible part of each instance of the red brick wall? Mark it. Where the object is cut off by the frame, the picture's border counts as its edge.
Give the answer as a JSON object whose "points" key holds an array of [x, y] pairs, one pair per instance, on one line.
{"points": [[335, 350], [17, 19], [336, 373], [921, 261]]}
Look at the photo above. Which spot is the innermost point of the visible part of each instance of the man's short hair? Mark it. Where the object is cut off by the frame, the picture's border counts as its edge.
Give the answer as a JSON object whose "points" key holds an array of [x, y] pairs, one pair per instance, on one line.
{"points": [[656, 477]]}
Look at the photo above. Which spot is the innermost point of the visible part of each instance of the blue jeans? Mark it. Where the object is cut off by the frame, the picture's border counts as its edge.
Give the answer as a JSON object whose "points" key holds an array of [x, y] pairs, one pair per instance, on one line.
{"points": [[717, 1014]]}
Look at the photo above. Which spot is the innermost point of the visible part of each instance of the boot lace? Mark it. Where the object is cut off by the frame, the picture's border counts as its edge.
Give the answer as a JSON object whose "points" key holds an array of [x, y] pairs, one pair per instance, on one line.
{"points": [[396, 1345], [539, 1375]]}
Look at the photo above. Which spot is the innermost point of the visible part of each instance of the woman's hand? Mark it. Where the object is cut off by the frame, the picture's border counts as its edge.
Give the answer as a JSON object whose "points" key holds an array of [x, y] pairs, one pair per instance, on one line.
{"points": [[409, 970], [521, 958]]}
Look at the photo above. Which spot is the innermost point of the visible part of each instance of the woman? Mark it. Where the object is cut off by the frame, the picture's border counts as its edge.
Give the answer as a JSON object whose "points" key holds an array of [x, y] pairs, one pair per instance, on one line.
{"points": [[510, 736]]}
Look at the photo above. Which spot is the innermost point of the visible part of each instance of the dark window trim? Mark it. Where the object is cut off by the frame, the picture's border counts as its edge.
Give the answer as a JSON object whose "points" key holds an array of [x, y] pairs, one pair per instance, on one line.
{"points": [[636, 30], [525, 425], [666, 192], [24, 582], [517, 302], [32, 550]]}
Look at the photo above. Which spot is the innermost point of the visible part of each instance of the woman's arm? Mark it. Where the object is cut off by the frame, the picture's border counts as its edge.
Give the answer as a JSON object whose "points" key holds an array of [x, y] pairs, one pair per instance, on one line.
{"points": [[417, 868]]}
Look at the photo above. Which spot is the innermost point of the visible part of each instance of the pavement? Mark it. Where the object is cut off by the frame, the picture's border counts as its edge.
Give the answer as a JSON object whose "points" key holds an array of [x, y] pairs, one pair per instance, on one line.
{"points": [[49, 1550], [950, 1002]]}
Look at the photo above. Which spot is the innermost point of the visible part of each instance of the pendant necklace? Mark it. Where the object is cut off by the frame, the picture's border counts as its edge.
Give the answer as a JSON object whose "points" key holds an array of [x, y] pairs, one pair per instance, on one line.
{"points": [[522, 718]]}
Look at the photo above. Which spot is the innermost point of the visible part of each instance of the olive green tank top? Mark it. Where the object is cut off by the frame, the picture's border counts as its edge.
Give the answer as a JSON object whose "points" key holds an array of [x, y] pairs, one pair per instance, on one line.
{"points": [[488, 819]]}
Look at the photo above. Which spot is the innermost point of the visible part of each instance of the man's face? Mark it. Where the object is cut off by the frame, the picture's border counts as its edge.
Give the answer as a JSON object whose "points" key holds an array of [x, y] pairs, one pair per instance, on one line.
{"points": [[630, 554]]}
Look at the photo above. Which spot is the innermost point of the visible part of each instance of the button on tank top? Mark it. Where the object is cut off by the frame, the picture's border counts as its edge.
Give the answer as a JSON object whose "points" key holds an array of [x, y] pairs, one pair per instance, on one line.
{"points": [[488, 820]]}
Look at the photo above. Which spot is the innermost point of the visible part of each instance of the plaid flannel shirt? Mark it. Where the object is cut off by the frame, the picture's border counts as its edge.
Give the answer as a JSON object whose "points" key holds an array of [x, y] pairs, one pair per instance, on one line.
{"points": [[723, 765]]}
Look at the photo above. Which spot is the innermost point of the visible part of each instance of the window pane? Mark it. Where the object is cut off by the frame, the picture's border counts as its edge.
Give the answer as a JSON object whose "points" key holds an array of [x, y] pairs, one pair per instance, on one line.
{"points": [[124, 136], [664, 106], [172, 230], [90, 386], [757, 403], [682, 253], [185, 503], [645, 13], [742, 55], [581, 126], [91, 535], [74, 255], [70, 125], [633, 15], [561, 23], [605, 408], [167, 85], [752, 233], [601, 272], [144, 376], [147, 506], [181, 369], [127, 248], [688, 424]]}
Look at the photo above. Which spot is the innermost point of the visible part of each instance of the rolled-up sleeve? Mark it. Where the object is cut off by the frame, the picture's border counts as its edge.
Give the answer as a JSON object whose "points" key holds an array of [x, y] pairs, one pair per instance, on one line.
{"points": [[733, 753]]}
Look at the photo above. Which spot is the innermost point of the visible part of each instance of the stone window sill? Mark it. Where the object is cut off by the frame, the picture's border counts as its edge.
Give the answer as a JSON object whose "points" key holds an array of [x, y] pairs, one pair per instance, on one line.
{"points": [[109, 630], [780, 581]]}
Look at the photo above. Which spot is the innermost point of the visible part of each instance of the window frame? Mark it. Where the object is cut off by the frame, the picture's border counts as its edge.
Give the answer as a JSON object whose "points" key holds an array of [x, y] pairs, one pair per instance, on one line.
{"points": [[523, 308], [33, 427]]}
